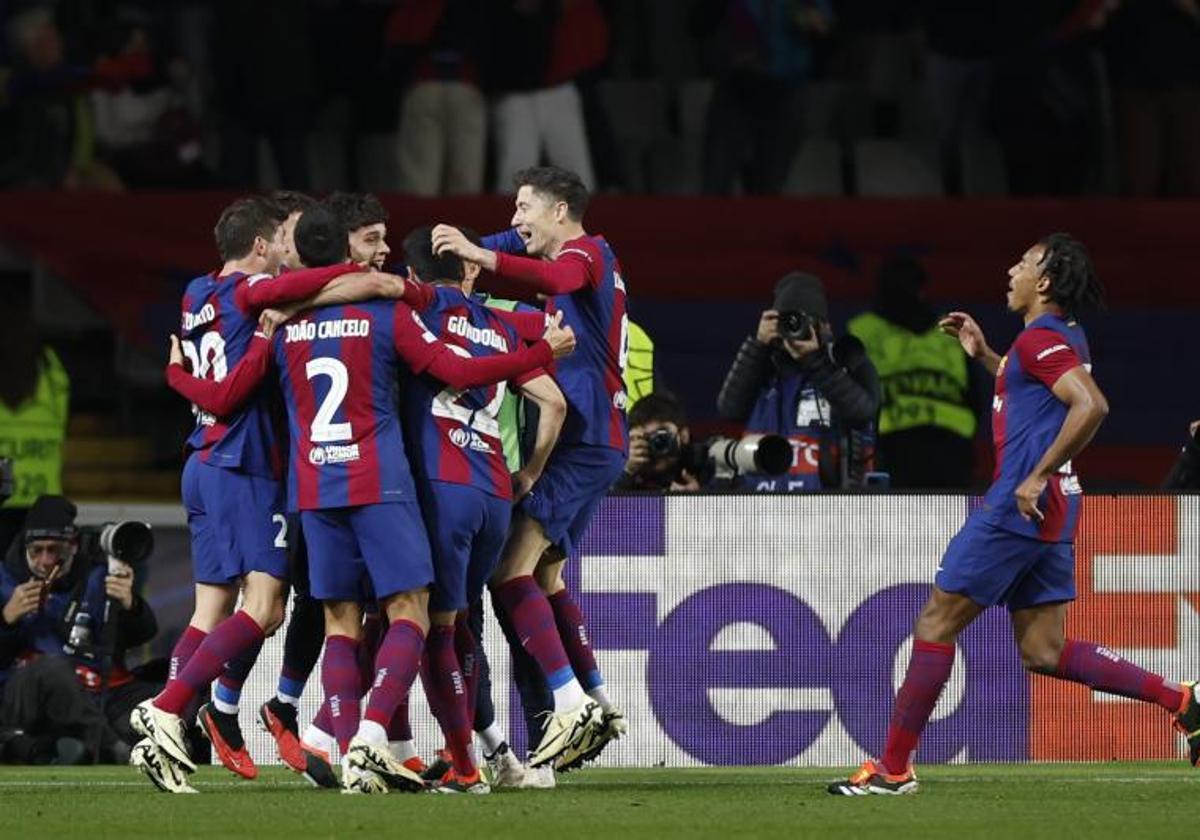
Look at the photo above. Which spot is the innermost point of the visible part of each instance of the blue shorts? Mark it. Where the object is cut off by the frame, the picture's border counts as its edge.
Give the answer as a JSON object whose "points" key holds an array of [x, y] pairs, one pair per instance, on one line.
{"points": [[353, 550], [576, 480], [466, 528], [993, 566], [237, 523]]}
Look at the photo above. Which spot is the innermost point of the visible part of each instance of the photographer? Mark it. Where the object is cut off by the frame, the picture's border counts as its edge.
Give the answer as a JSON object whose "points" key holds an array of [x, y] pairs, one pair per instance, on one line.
{"points": [[56, 591], [660, 450], [794, 379]]}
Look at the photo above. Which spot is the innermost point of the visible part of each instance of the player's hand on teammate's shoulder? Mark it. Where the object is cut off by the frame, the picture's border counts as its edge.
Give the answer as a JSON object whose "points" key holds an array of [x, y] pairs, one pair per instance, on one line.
{"points": [[968, 332], [1028, 492], [270, 320], [561, 339]]}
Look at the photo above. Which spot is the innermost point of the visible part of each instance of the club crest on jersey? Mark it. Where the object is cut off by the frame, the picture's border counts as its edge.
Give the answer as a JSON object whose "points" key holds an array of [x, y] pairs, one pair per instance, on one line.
{"points": [[321, 455]]}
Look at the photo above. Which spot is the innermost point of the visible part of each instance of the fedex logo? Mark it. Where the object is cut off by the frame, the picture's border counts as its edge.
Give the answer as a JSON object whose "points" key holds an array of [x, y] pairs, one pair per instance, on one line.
{"points": [[769, 630]]}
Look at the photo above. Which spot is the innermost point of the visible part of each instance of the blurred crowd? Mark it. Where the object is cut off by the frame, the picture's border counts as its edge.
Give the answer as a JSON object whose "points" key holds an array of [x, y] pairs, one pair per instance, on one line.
{"points": [[432, 97]]}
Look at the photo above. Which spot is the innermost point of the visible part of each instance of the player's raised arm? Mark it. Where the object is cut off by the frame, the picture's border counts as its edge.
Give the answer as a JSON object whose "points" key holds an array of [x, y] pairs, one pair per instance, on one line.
{"points": [[231, 393], [574, 268], [552, 412], [529, 326], [969, 334]]}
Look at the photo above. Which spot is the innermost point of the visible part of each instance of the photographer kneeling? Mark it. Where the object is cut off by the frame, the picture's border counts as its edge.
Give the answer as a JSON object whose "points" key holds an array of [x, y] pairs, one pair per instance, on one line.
{"points": [[792, 378], [55, 644]]}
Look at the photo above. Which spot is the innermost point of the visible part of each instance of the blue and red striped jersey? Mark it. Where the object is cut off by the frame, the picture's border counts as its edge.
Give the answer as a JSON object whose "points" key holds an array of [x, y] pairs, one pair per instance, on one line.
{"points": [[337, 367], [454, 435], [216, 333], [1026, 418]]}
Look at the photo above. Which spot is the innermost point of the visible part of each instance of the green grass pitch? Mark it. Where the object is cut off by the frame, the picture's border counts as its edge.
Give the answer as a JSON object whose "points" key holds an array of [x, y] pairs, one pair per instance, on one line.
{"points": [[1129, 800]]}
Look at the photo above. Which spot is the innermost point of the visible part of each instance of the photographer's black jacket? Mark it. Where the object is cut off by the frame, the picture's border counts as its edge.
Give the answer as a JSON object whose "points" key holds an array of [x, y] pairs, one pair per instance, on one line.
{"points": [[841, 373], [82, 588], [1185, 472]]}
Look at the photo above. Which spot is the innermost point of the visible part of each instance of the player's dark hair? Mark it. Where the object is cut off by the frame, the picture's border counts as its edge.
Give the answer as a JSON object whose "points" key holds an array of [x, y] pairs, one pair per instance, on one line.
{"points": [[1074, 285], [356, 210], [431, 267], [290, 201], [557, 183], [321, 238], [241, 223], [658, 406]]}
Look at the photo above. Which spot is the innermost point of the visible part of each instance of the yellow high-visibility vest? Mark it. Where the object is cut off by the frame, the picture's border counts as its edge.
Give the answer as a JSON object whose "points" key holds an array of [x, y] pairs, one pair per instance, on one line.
{"points": [[923, 378], [32, 436]]}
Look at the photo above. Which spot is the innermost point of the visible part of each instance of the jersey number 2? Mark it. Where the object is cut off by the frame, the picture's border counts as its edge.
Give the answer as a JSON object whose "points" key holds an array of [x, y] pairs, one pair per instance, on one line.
{"points": [[323, 429]]}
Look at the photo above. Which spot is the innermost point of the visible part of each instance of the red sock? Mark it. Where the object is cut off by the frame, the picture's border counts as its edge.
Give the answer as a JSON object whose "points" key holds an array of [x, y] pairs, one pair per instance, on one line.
{"points": [[533, 621], [396, 667], [928, 669], [340, 680], [444, 680], [226, 642], [1103, 670], [189, 640], [468, 657], [569, 619]]}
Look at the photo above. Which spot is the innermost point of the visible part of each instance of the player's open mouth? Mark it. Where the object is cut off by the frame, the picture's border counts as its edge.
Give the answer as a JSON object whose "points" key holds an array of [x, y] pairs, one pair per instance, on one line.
{"points": [[525, 234]]}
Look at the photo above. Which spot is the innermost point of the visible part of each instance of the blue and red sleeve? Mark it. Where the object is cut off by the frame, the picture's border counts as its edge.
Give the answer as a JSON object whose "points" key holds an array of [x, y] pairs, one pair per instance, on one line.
{"points": [[577, 266], [1045, 355]]}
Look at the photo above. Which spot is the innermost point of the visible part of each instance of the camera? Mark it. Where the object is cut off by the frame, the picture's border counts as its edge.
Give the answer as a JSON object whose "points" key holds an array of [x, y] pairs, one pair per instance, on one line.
{"points": [[127, 541], [795, 325], [767, 454], [662, 442]]}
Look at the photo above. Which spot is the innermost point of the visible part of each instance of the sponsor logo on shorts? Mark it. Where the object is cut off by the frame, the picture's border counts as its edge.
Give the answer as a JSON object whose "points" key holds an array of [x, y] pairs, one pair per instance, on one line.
{"points": [[319, 455]]}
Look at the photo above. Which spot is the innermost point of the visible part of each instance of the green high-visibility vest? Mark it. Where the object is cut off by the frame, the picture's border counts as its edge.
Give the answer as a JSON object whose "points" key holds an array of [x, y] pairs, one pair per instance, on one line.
{"points": [[923, 378], [32, 436], [639, 365]]}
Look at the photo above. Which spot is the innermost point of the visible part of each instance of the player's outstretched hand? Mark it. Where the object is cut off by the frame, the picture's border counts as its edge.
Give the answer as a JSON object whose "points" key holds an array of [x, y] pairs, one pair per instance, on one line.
{"points": [[561, 339], [175, 353], [1028, 493], [969, 334]]}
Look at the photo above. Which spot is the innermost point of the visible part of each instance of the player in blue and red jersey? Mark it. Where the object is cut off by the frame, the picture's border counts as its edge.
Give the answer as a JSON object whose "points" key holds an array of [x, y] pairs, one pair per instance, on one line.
{"points": [[581, 278], [1017, 549], [466, 490], [230, 487]]}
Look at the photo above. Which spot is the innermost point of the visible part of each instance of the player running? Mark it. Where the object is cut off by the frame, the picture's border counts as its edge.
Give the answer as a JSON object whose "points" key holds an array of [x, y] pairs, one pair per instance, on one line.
{"points": [[582, 279], [1017, 549]]}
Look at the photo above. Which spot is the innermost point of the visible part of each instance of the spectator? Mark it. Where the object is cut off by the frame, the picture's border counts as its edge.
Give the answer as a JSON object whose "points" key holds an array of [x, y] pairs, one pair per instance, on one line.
{"points": [[764, 56], [46, 136], [142, 125], [1154, 59], [52, 633], [443, 120], [262, 90], [932, 393], [793, 378], [531, 117], [34, 394]]}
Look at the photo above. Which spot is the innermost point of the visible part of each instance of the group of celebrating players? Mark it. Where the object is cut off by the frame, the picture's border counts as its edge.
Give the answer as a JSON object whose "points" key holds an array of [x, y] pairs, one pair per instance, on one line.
{"points": [[393, 492], [391, 484]]}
